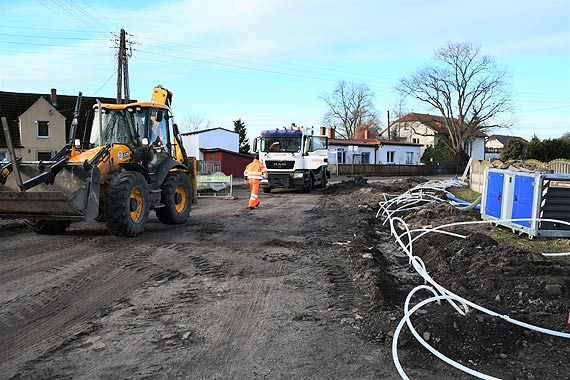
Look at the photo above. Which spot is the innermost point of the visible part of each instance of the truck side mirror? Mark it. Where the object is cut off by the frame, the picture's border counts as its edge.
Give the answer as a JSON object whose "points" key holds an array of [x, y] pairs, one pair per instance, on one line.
{"points": [[255, 147]]}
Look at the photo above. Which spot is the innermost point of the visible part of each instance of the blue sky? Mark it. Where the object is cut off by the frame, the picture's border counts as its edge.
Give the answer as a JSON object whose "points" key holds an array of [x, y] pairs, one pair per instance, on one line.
{"points": [[268, 61]]}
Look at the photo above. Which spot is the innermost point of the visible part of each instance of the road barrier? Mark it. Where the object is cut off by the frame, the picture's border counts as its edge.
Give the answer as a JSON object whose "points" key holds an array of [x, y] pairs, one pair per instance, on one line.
{"points": [[215, 185]]}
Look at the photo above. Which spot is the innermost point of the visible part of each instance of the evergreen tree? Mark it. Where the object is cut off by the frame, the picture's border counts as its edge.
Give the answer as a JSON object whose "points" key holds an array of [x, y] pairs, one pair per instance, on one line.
{"points": [[535, 150], [556, 148], [239, 128], [513, 150]]}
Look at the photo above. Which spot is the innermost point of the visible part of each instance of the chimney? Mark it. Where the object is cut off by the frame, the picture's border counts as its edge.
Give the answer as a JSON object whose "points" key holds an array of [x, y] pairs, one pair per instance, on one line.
{"points": [[53, 97], [331, 133], [322, 131], [366, 134]]}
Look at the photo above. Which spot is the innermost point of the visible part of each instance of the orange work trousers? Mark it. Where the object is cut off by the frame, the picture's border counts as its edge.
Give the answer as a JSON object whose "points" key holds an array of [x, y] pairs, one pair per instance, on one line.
{"points": [[254, 188]]}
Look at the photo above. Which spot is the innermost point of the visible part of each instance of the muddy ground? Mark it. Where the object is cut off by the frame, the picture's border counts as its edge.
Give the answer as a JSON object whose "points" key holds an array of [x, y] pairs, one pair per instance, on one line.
{"points": [[308, 286]]}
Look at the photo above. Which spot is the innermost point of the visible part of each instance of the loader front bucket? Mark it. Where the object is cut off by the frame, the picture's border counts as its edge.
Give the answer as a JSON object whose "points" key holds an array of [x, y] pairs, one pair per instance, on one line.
{"points": [[74, 195]]}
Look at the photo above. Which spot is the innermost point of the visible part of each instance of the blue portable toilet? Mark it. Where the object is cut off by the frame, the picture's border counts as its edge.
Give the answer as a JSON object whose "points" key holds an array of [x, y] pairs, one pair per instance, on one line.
{"points": [[509, 194]]}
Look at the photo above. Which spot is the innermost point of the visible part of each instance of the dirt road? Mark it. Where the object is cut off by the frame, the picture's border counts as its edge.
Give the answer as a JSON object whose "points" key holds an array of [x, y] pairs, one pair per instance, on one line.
{"points": [[233, 294], [308, 286]]}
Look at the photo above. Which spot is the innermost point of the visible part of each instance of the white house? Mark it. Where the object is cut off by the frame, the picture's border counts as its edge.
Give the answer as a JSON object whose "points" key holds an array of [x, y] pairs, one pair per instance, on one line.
{"points": [[220, 138], [427, 130], [373, 151], [495, 144]]}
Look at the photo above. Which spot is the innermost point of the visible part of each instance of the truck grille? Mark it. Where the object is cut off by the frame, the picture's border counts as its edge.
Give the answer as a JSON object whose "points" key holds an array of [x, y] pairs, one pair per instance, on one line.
{"points": [[279, 164]]}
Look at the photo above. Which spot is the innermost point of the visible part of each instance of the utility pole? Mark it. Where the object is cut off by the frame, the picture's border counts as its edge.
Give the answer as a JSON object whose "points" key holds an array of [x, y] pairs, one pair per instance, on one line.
{"points": [[123, 69], [388, 130]]}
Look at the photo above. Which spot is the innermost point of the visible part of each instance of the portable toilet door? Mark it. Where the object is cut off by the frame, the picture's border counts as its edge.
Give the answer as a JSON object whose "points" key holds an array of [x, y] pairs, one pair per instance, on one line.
{"points": [[523, 199], [494, 196]]}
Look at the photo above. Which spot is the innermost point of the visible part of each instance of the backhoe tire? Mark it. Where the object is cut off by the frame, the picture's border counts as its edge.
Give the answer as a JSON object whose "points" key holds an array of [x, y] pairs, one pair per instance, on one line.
{"points": [[126, 204], [266, 189], [176, 197], [48, 227]]}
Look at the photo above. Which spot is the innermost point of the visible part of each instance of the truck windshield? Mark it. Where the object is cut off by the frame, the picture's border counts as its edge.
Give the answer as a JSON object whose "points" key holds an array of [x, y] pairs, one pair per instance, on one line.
{"points": [[118, 127], [281, 144]]}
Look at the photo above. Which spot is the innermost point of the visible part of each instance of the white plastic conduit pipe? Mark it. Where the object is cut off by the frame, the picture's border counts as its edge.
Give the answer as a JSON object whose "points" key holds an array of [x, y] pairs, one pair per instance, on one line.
{"points": [[408, 199]]}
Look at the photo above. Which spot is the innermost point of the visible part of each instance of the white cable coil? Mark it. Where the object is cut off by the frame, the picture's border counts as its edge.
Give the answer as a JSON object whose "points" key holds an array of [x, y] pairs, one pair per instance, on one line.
{"points": [[416, 198]]}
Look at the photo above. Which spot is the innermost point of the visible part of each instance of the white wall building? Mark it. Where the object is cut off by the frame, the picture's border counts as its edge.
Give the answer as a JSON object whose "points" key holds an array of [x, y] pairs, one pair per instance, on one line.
{"points": [[208, 139], [427, 130], [373, 151]]}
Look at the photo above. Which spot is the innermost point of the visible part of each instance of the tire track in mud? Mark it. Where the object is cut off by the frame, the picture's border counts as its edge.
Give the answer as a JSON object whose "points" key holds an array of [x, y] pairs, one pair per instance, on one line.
{"points": [[36, 324], [229, 338], [138, 273], [341, 291]]}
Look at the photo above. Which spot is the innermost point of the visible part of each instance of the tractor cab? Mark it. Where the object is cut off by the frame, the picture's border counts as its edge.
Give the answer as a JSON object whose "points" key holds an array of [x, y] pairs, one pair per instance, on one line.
{"points": [[142, 127]]}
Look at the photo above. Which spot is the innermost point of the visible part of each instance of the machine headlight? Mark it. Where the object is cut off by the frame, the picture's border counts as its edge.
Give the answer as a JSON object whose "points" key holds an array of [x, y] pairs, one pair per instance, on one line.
{"points": [[298, 175]]}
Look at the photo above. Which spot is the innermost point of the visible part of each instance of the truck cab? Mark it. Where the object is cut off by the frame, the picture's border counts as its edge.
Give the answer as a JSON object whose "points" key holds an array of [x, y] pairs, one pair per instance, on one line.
{"points": [[294, 158]]}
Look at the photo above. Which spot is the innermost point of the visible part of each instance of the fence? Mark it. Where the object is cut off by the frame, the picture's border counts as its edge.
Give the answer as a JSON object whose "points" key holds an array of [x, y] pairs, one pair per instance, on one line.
{"points": [[382, 170], [211, 182], [209, 167], [478, 169]]}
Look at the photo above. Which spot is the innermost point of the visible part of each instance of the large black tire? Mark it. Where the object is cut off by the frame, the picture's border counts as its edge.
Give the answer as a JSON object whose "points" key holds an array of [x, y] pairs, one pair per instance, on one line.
{"points": [[48, 227], [309, 187], [176, 197], [266, 189], [126, 204], [323, 180]]}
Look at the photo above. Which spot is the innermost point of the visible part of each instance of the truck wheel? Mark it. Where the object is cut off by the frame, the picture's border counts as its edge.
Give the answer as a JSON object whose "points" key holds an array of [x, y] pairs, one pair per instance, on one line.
{"points": [[266, 189], [126, 204], [176, 197], [323, 181], [48, 227], [309, 187]]}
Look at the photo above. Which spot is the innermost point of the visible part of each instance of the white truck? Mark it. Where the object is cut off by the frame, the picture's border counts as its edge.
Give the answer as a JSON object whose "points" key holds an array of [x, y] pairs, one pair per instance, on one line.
{"points": [[294, 158]]}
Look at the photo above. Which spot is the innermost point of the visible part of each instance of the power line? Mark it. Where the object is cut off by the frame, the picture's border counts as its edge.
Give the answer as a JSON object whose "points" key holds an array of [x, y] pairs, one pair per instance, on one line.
{"points": [[103, 85], [48, 29], [75, 15], [87, 14], [51, 37], [257, 60], [50, 45], [111, 23], [56, 13]]}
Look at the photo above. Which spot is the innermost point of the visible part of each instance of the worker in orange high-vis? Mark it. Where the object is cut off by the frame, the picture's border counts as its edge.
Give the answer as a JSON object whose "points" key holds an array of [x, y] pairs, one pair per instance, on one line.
{"points": [[253, 174]]}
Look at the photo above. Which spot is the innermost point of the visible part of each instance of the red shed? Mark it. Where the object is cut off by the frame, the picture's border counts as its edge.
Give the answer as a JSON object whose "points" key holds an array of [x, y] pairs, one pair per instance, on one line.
{"points": [[233, 163]]}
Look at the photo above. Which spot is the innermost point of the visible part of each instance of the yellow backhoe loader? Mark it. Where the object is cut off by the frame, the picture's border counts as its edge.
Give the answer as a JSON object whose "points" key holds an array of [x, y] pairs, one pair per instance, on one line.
{"points": [[134, 162]]}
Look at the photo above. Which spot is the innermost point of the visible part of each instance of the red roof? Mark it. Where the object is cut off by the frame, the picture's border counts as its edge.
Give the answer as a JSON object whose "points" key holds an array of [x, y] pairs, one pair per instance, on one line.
{"points": [[432, 121], [504, 138]]}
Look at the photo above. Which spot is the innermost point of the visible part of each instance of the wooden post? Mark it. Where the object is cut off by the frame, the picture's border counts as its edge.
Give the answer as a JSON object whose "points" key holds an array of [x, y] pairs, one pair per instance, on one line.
{"points": [[12, 154]]}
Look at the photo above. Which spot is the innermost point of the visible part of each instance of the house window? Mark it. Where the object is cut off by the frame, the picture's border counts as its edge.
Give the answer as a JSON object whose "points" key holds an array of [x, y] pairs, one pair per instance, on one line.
{"points": [[415, 140], [44, 156], [43, 129], [409, 158], [341, 157], [366, 157], [390, 156]]}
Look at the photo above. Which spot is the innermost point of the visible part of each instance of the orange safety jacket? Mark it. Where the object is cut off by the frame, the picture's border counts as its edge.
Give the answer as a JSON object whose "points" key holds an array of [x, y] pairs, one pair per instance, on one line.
{"points": [[255, 170]]}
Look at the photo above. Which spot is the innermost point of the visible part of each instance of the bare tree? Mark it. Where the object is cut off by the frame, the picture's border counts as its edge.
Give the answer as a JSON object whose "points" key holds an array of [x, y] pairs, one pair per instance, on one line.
{"points": [[193, 123], [350, 105], [467, 88]]}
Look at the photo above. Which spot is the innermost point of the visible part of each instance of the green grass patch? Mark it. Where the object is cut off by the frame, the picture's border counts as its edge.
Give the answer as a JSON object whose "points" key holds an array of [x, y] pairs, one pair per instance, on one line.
{"points": [[539, 244], [506, 236], [464, 193]]}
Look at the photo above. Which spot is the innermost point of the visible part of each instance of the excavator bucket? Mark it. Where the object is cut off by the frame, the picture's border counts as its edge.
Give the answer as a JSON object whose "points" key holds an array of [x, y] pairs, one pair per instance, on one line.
{"points": [[74, 194]]}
